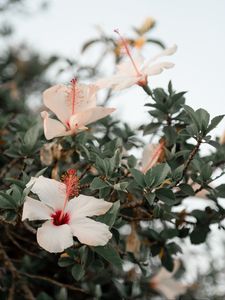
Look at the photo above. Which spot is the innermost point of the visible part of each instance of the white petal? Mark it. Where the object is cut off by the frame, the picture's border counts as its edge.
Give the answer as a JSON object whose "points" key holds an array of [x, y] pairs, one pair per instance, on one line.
{"points": [[87, 206], [86, 117], [52, 128], [90, 232], [85, 97], [126, 67], [56, 99], [165, 52], [157, 68], [49, 191], [54, 238], [35, 210], [118, 82]]}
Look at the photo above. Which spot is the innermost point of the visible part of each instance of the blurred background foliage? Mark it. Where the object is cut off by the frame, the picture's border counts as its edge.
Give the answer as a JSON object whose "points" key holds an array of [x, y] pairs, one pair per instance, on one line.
{"points": [[107, 170]]}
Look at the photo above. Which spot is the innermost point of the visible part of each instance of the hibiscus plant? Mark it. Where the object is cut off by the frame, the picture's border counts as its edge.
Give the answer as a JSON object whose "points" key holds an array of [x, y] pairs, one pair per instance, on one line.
{"points": [[82, 217]]}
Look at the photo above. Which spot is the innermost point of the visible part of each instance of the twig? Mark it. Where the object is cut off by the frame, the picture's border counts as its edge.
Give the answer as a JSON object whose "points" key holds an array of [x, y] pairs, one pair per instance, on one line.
{"points": [[190, 158], [132, 204], [28, 295], [19, 246], [54, 282], [8, 167], [29, 228]]}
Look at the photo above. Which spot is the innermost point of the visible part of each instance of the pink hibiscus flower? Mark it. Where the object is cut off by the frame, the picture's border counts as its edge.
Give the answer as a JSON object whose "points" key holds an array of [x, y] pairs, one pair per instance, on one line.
{"points": [[75, 107]]}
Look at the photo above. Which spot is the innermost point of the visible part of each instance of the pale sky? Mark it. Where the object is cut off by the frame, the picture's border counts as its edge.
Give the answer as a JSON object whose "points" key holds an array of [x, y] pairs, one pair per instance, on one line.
{"points": [[196, 26]]}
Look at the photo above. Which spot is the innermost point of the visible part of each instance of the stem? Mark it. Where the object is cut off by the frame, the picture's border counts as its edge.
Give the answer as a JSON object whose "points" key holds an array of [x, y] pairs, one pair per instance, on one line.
{"points": [[148, 91], [28, 295], [54, 282], [190, 158]]}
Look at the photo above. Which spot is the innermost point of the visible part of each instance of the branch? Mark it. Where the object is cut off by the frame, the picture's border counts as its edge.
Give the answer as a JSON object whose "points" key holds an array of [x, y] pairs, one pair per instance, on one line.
{"points": [[28, 295], [54, 282], [190, 158]]}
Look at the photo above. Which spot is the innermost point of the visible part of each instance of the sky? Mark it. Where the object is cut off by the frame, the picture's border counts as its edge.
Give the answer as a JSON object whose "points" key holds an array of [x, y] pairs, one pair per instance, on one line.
{"points": [[197, 27]]}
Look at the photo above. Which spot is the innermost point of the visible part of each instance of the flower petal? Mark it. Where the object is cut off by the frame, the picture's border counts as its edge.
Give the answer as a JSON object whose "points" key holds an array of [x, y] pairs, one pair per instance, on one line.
{"points": [[85, 97], [157, 68], [165, 52], [87, 206], [54, 238], [171, 289], [117, 82], [35, 210], [49, 191], [147, 156], [53, 128], [56, 99], [88, 116], [90, 232]]}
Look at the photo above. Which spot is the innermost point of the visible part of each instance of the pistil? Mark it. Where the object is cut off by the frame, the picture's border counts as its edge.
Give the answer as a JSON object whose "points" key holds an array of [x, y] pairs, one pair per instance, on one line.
{"points": [[126, 47], [73, 94]]}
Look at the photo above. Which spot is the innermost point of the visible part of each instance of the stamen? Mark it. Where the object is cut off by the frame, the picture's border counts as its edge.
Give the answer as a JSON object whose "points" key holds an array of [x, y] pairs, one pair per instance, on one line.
{"points": [[72, 94], [72, 183], [125, 44], [71, 180]]}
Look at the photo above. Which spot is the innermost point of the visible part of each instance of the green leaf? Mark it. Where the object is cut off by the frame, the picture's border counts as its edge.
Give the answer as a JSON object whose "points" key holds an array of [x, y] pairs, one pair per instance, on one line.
{"points": [[109, 254], [193, 116], [121, 186], [150, 198], [214, 122], [31, 136], [78, 272], [173, 248], [131, 161], [65, 261], [138, 176], [7, 201], [167, 260], [199, 234], [98, 184], [156, 175], [220, 191], [165, 195], [203, 117], [151, 128], [187, 189]]}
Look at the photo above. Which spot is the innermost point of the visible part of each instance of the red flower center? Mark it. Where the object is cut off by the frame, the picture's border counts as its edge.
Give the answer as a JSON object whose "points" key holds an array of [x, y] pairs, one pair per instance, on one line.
{"points": [[60, 220]]}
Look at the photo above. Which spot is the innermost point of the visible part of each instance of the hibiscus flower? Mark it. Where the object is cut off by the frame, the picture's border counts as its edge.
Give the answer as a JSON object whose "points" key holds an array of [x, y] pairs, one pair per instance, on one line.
{"points": [[165, 283], [65, 218], [75, 107], [134, 70]]}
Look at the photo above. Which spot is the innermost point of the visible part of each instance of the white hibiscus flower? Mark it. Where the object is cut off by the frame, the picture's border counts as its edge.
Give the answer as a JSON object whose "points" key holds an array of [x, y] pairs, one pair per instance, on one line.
{"points": [[65, 218], [134, 70]]}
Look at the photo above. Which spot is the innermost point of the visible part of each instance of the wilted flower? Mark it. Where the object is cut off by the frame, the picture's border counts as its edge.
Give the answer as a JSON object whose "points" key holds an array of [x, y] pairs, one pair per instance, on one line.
{"points": [[134, 70], [65, 218], [165, 283], [151, 155], [133, 242], [75, 107]]}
